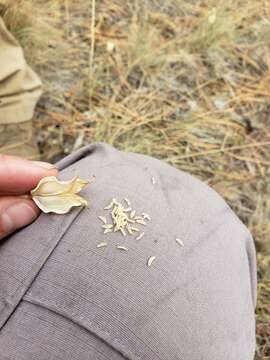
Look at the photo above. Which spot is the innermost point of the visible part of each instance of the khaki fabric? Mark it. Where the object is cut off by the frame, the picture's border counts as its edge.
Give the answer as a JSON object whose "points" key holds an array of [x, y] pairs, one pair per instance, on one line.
{"points": [[20, 87], [63, 298], [18, 140]]}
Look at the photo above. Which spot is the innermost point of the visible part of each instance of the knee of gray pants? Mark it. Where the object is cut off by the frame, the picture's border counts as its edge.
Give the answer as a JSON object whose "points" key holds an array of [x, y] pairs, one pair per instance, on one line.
{"points": [[62, 297]]}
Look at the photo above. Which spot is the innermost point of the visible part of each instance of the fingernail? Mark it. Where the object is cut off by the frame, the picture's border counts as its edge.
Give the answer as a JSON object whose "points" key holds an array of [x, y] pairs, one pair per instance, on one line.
{"points": [[16, 216], [44, 165]]}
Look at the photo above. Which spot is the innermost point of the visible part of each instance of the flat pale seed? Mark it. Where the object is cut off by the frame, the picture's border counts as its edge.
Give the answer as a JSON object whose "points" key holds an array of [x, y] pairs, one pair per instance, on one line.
{"points": [[129, 230], [131, 221], [108, 207], [146, 216], [107, 226], [138, 218], [153, 180], [123, 232], [140, 236], [135, 229], [103, 219], [102, 244], [150, 260], [127, 201], [179, 242], [142, 222], [132, 214], [120, 247], [106, 231]]}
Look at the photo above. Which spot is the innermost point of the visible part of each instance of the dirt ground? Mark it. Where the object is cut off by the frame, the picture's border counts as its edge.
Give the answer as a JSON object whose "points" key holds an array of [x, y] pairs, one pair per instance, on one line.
{"points": [[186, 81]]}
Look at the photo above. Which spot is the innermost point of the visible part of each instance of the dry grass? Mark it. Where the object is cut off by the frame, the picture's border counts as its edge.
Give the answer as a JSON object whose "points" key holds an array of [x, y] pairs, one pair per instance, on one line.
{"points": [[184, 81]]}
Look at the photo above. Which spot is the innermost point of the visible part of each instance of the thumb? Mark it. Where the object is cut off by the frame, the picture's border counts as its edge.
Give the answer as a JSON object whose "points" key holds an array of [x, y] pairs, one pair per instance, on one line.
{"points": [[15, 213]]}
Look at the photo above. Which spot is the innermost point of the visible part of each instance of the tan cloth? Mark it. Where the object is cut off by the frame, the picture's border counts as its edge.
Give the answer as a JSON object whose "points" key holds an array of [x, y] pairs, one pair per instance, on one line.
{"points": [[20, 87]]}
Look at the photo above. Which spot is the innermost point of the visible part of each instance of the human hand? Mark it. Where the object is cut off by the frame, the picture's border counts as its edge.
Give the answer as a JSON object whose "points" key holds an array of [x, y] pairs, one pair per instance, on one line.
{"points": [[18, 177]]}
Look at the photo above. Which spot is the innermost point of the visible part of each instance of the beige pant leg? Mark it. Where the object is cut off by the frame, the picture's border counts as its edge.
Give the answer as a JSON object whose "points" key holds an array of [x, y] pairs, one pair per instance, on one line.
{"points": [[20, 89]]}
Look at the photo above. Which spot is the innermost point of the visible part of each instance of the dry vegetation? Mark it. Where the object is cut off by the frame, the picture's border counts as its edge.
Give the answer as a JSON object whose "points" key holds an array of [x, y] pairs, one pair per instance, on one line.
{"points": [[186, 81]]}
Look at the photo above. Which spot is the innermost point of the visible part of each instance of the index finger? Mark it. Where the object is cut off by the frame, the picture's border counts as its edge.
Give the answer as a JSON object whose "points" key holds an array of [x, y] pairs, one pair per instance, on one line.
{"points": [[19, 176]]}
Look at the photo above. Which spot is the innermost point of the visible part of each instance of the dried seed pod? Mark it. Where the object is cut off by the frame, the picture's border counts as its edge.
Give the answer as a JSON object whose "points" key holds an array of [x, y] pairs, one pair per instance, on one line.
{"points": [[53, 195]]}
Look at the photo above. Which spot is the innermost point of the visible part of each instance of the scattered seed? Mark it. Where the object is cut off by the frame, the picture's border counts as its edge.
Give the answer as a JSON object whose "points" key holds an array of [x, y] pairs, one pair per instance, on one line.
{"points": [[142, 222], [106, 231], [153, 180], [103, 219], [122, 218], [146, 216], [102, 244], [131, 221], [138, 218], [123, 232], [150, 260], [120, 247], [129, 230], [179, 242], [107, 226], [108, 207], [127, 201], [140, 236], [134, 229]]}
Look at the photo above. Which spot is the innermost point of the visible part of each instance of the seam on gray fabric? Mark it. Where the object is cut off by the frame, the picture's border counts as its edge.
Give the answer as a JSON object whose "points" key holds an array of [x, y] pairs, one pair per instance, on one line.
{"points": [[30, 298], [46, 303], [103, 335], [22, 288], [67, 319], [250, 249], [80, 154]]}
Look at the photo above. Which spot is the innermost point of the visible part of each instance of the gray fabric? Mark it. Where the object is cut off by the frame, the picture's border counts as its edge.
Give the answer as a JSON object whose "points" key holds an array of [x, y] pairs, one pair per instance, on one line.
{"points": [[62, 298]]}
